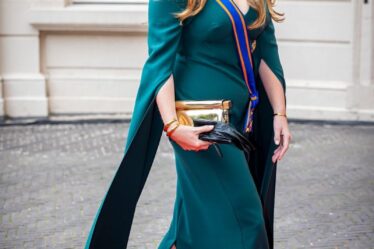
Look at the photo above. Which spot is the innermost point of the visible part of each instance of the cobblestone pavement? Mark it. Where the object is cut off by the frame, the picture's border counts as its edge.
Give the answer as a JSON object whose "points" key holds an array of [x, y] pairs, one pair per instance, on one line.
{"points": [[53, 176]]}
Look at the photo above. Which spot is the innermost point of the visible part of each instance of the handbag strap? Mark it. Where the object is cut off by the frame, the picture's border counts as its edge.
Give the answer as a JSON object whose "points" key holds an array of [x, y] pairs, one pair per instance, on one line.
{"points": [[243, 44]]}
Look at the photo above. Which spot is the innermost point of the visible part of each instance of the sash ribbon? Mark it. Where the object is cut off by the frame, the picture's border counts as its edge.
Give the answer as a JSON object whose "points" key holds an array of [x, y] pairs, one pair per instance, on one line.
{"points": [[243, 44]]}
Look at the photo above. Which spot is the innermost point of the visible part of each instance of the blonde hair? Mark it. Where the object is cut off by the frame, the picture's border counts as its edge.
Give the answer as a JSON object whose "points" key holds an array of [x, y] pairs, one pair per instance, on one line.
{"points": [[195, 6]]}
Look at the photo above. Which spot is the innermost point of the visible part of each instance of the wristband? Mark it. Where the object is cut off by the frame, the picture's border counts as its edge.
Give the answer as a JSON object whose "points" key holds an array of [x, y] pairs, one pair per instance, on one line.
{"points": [[279, 114], [166, 126], [168, 133]]}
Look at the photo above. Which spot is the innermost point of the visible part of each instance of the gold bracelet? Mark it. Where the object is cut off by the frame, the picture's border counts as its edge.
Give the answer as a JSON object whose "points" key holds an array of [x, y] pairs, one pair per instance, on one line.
{"points": [[166, 126], [175, 123], [168, 133], [279, 114]]}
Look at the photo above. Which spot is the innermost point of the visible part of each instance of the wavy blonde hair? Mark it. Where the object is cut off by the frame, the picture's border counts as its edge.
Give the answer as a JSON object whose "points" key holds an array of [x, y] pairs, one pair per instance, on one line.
{"points": [[195, 6]]}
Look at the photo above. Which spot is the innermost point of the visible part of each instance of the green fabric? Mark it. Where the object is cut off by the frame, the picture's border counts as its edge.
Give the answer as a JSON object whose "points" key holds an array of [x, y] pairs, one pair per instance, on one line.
{"points": [[217, 205]]}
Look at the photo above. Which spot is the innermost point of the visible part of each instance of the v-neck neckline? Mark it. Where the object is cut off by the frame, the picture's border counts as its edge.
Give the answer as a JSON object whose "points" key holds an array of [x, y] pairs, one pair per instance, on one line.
{"points": [[243, 14]]}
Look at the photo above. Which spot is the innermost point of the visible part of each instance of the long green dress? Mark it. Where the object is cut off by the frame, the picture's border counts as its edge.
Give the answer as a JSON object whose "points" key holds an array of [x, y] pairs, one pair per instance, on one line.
{"points": [[217, 205]]}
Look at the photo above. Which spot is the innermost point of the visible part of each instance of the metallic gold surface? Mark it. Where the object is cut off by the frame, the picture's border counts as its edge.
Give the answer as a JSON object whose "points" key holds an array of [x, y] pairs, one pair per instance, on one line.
{"points": [[215, 110]]}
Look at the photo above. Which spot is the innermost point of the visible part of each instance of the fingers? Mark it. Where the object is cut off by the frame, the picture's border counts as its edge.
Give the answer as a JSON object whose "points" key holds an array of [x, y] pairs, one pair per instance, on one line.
{"points": [[277, 132], [198, 149], [283, 147], [196, 144], [203, 128], [274, 158], [285, 143], [276, 154], [201, 144]]}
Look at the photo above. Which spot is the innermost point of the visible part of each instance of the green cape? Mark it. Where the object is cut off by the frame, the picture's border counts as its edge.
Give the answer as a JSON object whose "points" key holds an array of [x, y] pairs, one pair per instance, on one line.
{"points": [[113, 220]]}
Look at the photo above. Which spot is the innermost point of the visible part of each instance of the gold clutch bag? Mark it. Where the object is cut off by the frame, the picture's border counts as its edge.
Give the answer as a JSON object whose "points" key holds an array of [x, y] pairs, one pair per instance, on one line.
{"points": [[213, 110]]}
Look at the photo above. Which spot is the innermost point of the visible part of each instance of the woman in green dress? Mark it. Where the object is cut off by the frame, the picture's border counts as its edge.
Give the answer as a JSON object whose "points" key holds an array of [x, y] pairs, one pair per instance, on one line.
{"points": [[193, 56]]}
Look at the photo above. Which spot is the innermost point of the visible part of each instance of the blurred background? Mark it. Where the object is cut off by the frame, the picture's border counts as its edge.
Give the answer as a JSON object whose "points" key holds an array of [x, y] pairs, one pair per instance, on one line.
{"points": [[69, 72]]}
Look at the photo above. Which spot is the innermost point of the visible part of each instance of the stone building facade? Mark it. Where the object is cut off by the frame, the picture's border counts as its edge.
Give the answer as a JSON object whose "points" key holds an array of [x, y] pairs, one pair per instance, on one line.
{"points": [[61, 57]]}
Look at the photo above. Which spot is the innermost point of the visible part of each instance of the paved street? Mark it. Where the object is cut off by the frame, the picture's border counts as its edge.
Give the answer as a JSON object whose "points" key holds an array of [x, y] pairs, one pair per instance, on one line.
{"points": [[53, 176]]}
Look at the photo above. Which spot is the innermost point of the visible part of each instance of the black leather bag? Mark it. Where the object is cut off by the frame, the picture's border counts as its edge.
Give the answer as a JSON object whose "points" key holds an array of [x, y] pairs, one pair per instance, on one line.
{"points": [[225, 133]]}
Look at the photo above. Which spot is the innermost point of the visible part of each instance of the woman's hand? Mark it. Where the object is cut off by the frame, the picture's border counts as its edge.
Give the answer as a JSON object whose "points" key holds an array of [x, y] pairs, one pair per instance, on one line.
{"points": [[188, 137], [282, 136]]}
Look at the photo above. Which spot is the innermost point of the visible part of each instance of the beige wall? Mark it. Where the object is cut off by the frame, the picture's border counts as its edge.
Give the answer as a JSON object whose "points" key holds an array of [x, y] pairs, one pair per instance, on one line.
{"points": [[59, 57]]}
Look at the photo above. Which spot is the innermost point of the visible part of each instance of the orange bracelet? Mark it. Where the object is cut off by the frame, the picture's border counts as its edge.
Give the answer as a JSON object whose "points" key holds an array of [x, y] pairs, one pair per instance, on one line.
{"points": [[166, 126]]}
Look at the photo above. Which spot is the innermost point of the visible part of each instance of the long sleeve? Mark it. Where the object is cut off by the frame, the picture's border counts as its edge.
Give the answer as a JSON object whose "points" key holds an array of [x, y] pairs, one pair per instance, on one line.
{"points": [[268, 48], [164, 36], [112, 223]]}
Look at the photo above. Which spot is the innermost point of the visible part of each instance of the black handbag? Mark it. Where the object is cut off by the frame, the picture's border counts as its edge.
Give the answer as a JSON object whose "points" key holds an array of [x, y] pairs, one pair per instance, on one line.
{"points": [[225, 133]]}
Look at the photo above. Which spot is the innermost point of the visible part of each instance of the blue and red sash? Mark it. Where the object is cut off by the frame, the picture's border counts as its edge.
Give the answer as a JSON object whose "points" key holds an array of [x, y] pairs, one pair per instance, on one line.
{"points": [[243, 45]]}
